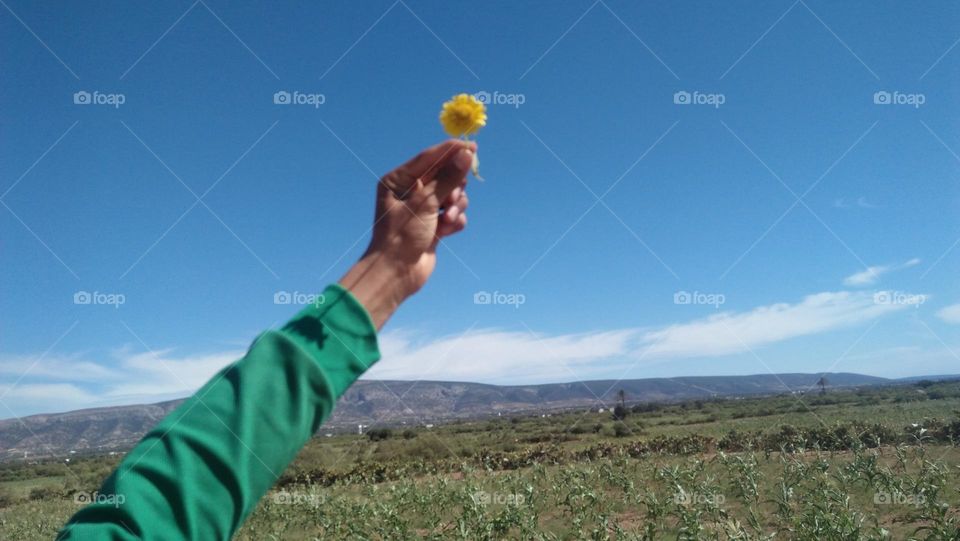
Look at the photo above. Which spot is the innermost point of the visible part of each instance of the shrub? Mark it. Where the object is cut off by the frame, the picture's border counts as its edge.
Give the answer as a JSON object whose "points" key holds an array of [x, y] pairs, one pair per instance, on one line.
{"points": [[619, 413], [7, 498], [46, 493], [378, 434]]}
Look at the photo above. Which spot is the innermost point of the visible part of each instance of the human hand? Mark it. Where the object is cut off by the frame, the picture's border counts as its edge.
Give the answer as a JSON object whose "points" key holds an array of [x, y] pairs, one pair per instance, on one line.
{"points": [[408, 225]]}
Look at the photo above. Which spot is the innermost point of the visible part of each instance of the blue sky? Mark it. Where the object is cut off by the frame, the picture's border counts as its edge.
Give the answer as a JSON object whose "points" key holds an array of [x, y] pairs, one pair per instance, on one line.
{"points": [[810, 227]]}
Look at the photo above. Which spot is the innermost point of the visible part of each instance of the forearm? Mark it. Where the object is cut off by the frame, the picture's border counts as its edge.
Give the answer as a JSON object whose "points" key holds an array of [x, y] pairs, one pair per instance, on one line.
{"points": [[199, 472]]}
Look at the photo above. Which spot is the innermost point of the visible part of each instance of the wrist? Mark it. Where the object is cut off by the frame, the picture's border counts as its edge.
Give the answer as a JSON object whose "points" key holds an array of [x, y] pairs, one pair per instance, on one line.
{"points": [[379, 284]]}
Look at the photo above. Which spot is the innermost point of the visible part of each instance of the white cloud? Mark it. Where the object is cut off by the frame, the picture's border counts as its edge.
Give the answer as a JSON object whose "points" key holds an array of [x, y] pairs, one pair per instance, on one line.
{"points": [[52, 367], [860, 202], [864, 278], [728, 333], [934, 359], [950, 314], [160, 372], [497, 355], [871, 275], [490, 355], [481, 355], [45, 384], [26, 398]]}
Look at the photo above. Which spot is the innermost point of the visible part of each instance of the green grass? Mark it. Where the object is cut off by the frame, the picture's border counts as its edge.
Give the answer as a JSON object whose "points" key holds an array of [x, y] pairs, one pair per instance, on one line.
{"points": [[847, 465]]}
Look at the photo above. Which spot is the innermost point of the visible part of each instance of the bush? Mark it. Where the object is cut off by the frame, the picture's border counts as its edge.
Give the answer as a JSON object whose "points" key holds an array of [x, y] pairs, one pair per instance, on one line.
{"points": [[620, 431], [619, 413], [378, 434], [45, 493], [7, 498]]}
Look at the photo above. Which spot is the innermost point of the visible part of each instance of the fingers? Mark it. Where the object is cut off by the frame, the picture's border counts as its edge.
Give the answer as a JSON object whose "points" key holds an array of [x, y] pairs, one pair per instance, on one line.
{"points": [[443, 162], [453, 174], [445, 229], [454, 217], [435, 157], [454, 204]]}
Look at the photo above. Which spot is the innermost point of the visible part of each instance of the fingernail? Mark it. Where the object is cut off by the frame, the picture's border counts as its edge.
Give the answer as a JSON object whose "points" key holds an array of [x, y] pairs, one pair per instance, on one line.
{"points": [[455, 194]]}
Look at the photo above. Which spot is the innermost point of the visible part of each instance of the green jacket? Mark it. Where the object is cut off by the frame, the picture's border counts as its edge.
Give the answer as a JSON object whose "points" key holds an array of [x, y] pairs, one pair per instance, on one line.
{"points": [[202, 469]]}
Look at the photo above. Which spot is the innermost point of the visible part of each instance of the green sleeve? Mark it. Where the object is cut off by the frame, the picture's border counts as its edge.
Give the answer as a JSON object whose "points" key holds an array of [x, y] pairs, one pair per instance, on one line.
{"points": [[202, 469]]}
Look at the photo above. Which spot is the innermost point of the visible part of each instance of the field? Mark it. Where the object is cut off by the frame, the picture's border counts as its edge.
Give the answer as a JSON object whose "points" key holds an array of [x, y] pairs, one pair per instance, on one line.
{"points": [[870, 463]]}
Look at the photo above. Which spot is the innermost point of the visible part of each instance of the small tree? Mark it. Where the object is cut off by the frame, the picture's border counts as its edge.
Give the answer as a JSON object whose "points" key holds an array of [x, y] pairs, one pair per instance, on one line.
{"points": [[378, 434], [823, 385], [620, 411]]}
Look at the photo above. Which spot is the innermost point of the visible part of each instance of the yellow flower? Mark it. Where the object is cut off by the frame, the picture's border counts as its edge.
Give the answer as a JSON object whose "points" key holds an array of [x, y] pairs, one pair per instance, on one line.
{"points": [[463, 115]]}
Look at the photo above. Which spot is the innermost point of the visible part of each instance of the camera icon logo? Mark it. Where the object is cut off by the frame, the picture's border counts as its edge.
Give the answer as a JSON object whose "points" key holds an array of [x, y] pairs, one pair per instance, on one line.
{"points": [[282, 297], [483, 97], [482, 297], [81, 98], [281, 98], [681, 98], [882, 97], [882, 297], [682, 297], [82, 297]]}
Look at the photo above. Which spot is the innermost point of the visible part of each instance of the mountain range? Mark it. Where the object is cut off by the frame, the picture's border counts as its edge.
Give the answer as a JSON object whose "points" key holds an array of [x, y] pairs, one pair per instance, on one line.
{"points": [[117, 428]]}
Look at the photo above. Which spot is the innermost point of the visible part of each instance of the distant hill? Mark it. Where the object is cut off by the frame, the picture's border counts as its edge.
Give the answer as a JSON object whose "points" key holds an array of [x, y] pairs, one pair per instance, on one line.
{"points": [[944, 377], [393, 402]]}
